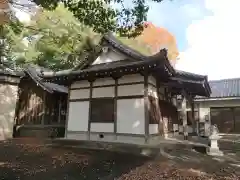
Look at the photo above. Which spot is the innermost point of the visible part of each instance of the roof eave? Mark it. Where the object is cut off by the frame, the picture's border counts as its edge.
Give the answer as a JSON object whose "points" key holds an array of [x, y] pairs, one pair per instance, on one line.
{"points": [[38, 81]]}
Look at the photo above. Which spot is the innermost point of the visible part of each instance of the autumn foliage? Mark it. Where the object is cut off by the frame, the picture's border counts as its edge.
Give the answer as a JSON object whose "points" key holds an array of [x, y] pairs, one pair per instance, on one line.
{"points": [[152, 40], [157, 38], [4, 17]]}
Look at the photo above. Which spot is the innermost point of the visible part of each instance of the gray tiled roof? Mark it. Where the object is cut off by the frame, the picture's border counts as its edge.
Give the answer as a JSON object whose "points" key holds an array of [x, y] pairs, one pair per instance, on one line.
{"points": [[225, 88], [122, 47], [194, 82], [34, 72], [56, 87]]}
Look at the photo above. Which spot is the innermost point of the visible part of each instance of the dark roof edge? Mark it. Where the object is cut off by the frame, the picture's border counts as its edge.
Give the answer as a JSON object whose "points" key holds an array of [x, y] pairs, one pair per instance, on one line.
{"points": [[196, 77], [110, 38], [207, 86], [225, 79], [216, 98], [37, 80]]}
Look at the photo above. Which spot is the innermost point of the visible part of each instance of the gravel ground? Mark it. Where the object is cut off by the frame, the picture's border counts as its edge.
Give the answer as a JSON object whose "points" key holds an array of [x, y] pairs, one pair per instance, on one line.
{"points": [[30, 159]]}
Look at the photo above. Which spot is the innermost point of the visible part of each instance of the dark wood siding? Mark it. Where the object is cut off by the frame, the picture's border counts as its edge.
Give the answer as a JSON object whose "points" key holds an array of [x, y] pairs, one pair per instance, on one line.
{"points": [[227, 119], [154, 112], [38, 110], [169, 112], [31, 106], [102, 110]]}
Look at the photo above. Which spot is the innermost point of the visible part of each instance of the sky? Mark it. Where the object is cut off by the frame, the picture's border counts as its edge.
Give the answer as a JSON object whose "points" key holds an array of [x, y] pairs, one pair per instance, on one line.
{"points": [[207, 34]]}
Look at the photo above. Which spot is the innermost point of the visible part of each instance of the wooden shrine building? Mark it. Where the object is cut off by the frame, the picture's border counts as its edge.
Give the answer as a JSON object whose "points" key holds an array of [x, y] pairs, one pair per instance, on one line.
{"points": [[124, 96]]}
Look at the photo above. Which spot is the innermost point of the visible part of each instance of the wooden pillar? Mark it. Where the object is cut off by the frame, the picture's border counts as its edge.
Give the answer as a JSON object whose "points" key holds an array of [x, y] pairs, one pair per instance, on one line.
{"points": [[44, 107], [90, 109], [146, 107], [67, 113], [159, 111], [115, 107], [184, 118], [193, 116], [198, 119], [59, 109]]}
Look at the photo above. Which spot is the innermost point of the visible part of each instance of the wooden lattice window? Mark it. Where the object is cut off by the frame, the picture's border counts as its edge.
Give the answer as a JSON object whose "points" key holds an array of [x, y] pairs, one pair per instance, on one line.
{"points": [[102, 110]]}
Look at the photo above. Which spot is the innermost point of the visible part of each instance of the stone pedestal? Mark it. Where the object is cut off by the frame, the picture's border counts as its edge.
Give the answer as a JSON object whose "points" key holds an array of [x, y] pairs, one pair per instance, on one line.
{"points": [[213, 149]]}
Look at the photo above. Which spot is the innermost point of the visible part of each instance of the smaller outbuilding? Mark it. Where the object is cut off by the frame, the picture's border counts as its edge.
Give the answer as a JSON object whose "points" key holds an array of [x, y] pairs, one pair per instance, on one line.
{"points": [[41, 106]]}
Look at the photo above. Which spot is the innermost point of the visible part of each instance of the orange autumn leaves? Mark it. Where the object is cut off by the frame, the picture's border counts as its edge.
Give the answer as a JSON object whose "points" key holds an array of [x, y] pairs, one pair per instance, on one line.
{"points": [[157, 38], [4, 15], [152, 40]]}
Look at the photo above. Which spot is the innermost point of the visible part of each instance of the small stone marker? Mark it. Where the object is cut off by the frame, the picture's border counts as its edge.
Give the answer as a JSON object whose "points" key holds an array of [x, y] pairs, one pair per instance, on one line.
{"points": [[213, 149]]}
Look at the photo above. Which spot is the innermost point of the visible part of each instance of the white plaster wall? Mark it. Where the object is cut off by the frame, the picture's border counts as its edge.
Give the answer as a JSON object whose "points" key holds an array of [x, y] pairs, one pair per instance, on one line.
{"points": [[77, 135], [153, 129], [102, 127], [131, 78], [110, 56], [107, 137], [79, 93], [129, 90], [130, 116], [152, 80], [78, 116], [80, 84], [8, 99], [130, 139], [104, 81], [203, 111], [103, 92]]}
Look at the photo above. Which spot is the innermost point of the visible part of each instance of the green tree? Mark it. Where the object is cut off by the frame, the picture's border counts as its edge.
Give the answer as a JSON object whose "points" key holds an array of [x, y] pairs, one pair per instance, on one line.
{"points": [[11, 42], [56, 39], [102, 15]]}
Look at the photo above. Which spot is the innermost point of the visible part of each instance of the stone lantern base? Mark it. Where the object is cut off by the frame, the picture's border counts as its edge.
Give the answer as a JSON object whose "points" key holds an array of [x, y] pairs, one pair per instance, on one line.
{"points": [[214, 152], [213, 149]]}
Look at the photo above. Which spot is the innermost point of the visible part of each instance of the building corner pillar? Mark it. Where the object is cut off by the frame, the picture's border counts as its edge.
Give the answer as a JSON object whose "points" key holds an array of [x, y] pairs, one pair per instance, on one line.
{"points": [[146, 107], [184, 118]]}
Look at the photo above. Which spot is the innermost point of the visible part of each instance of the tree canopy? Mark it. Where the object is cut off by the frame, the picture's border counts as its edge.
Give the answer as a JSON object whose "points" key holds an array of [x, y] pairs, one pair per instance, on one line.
{"points": [[57, 39], [53, 39], [123, 16]]}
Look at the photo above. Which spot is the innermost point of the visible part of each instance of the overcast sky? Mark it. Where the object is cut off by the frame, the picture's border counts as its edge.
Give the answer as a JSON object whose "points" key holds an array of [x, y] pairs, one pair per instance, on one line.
{"points": [[207, 33]]}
